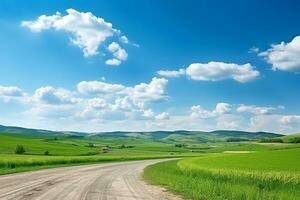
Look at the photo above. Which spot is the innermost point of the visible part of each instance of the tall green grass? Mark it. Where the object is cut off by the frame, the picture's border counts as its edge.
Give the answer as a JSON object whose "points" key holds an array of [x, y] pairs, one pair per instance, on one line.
{"points": [[265, 175]]}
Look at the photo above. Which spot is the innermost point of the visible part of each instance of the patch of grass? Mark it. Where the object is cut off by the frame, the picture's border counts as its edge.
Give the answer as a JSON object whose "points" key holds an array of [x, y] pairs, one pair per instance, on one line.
{"points": [[38, 145], [17, 163], [263, 175]]}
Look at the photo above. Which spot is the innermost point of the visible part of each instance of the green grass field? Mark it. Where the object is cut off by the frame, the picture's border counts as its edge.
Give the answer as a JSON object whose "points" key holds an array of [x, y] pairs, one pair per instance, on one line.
{"points": [[261, 175], [211, 171], [69, 150]]}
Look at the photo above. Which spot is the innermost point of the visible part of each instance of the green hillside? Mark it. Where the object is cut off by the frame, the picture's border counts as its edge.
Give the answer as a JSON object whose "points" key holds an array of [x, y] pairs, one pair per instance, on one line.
{"points": [[293, 138]]}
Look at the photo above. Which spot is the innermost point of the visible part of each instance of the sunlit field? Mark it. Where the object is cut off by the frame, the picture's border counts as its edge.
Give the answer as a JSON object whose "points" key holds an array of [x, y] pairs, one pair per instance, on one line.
{"points": [[261, 175]]}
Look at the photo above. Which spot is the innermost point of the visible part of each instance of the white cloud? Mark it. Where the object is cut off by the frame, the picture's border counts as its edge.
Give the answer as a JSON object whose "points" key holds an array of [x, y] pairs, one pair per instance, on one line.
{"points": [[289, 119], [216, 71], [253, 50], [10, 91], [124, 39], [284, 56], [50, 95], [163, 116], [153, 91], [119, 53], [171, 73], [220, 109], [229, 122], [98, 87], [255, 109], [89, 32], [148, 113], [113, 61]]}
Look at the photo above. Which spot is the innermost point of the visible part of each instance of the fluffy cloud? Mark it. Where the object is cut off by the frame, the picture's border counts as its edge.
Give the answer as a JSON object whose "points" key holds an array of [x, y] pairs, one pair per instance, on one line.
{"points": [[229, 122], [284, 56], [220, 109], [119, 53], [154, 91], [275, 123], [255, 109], [163, 116], [89, 32], [99, 87], [289, 119], [171, 73], [97, 100], [216, 71], [113, 61], [50, 95], [10, 91]]}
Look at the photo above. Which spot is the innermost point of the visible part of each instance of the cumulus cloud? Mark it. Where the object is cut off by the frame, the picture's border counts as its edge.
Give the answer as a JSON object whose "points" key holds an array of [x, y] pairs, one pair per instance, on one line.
{"points": [[289, 119], [163, 116], [153, 91], [257, 110], [88, 31], [216, 71], [220, 109], [119, 53], [148, 113], [284, 56], [229, 122], [124, 39], [99, 87], [171, 73], [113, 61], [51, 95], [276, 123], [10, 91]]}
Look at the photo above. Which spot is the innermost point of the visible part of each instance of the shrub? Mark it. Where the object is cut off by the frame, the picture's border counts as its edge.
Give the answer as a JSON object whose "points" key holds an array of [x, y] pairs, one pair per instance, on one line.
{"points": [[20, 149], [179, 145], [46, 153], [236, 139], [272, 140], [295, 140]]}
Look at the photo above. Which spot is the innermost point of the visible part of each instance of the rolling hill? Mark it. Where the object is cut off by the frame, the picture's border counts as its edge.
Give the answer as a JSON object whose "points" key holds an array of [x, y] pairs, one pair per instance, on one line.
{"points": [[179, 136], [291, 138]]}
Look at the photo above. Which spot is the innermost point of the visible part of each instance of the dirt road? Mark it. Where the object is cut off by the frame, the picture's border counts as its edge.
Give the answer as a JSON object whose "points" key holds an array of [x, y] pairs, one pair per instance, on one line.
{"points": [[109, 181]]}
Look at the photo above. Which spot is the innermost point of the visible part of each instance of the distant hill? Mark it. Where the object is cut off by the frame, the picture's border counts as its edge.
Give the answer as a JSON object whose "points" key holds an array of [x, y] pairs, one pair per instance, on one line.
{"points": [[291, 138], [21, 130], [179, 136], [183, 136]]}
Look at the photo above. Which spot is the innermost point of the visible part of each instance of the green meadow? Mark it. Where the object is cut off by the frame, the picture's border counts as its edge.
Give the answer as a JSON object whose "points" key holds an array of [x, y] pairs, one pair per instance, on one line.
{"points": [[272, 174], [215, 165], [65, 150]]}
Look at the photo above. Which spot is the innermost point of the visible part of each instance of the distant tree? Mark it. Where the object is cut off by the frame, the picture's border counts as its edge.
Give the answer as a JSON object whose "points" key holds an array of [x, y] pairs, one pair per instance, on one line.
{"points": [[179, 145], [236, 139], [20, 149], [295, 140], [90, 145], [46, 153], [271, 140]]}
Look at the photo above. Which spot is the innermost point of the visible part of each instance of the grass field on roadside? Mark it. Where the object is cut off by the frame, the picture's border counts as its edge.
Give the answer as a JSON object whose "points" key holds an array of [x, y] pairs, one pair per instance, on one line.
{"points": [[70, 150], [262, 175]]}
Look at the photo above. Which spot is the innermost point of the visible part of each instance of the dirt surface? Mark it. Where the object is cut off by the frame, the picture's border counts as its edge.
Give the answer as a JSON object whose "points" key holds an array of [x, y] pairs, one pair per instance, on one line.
{"points": [[109, 181]]}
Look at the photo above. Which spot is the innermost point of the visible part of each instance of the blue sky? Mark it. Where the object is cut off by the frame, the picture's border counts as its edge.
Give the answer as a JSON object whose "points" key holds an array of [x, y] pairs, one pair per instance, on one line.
{"points": [[159, 65]]}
